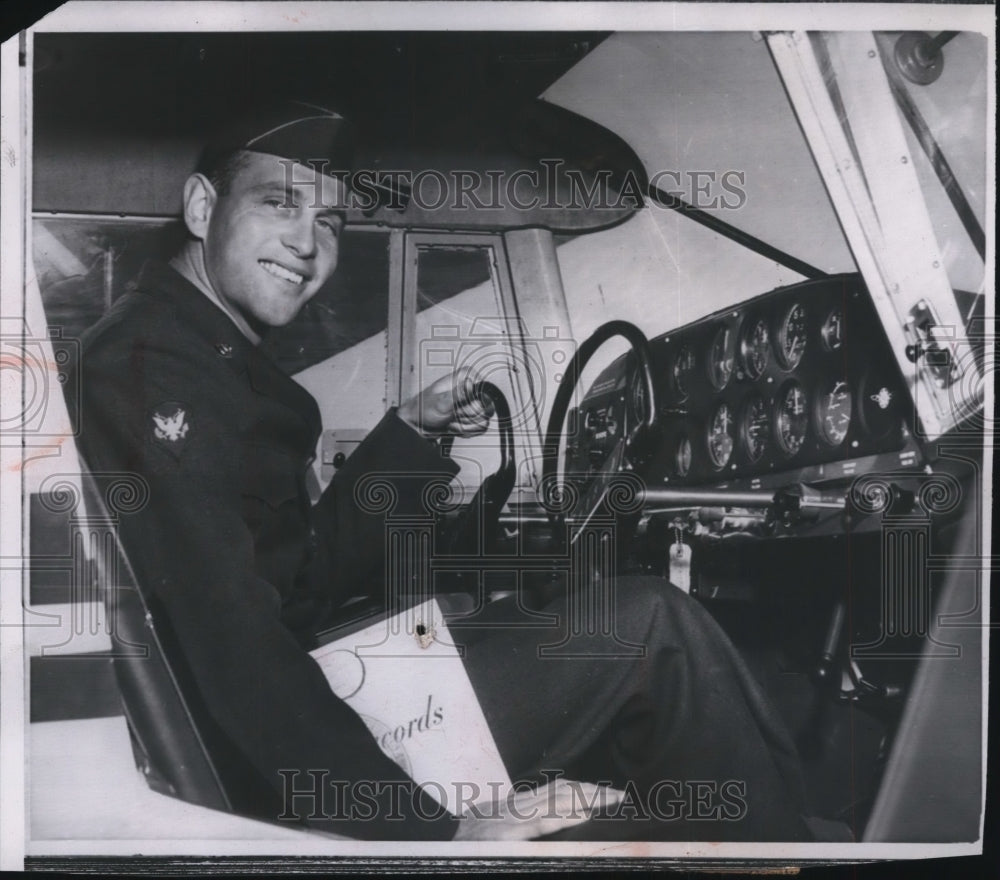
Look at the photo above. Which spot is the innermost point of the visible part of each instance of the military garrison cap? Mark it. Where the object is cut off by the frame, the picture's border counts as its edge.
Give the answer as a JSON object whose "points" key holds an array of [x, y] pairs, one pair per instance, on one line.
{"points": [[304, 132]]}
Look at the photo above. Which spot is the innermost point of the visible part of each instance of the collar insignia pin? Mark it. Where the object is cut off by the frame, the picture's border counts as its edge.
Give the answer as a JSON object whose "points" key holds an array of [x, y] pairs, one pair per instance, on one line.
{"points": [[224, 350]]}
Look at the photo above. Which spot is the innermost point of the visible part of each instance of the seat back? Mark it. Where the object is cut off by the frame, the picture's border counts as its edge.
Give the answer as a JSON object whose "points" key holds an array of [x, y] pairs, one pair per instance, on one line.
{"points": [[168, 743]]}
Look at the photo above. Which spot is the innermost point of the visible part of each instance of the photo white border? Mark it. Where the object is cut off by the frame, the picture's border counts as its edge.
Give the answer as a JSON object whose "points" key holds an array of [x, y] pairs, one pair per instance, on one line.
{"points": [[212, 15]]}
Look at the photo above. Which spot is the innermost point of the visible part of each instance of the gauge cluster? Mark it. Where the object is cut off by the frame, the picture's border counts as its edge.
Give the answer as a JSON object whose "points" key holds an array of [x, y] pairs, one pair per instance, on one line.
{"points": [[796, 378]]}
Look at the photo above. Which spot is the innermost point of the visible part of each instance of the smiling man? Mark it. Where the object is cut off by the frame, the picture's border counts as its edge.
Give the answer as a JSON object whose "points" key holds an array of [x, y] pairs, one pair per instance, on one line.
{"points": [[263, 248], [241, 571]]}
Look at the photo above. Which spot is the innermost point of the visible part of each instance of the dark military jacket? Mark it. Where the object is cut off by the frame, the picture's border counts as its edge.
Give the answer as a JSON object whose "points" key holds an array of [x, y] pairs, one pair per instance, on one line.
{"points": [[228, 545]]}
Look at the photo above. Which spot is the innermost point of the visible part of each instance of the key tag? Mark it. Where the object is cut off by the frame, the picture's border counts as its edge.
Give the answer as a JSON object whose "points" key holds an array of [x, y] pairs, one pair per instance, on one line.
{"points": [[680, 563]]}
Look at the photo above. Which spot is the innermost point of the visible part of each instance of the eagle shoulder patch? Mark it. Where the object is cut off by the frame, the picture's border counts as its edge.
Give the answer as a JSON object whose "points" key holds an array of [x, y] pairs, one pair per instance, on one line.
{"points": [[170, 425]]}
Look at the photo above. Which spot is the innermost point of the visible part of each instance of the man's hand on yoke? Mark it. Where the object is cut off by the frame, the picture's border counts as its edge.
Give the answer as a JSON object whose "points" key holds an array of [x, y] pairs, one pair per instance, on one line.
{"points": [[449, 406]]}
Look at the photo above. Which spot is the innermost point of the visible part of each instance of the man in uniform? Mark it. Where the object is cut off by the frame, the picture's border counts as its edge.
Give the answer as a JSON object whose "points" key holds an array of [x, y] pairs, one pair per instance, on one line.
{"points": [[242, 570]]}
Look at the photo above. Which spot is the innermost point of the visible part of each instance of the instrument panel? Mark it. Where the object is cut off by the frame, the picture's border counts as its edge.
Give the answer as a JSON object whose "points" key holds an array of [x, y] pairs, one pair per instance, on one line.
{"points": [[795, 378]]}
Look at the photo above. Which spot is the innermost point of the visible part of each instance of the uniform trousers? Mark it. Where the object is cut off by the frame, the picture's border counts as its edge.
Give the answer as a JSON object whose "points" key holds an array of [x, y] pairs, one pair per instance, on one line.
{"points": [[656, 702]]}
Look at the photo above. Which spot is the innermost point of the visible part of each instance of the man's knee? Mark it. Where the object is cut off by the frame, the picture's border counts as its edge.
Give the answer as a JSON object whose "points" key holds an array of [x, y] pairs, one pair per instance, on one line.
{"points": [[645, 601]]}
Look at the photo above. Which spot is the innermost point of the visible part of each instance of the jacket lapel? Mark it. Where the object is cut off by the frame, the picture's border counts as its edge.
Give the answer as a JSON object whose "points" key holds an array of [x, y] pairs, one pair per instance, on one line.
{"points": [[268, 380]]}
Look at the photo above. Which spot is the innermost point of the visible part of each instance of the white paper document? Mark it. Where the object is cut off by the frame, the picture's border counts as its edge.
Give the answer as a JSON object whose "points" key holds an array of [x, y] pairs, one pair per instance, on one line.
{"points": [[403, 675]]}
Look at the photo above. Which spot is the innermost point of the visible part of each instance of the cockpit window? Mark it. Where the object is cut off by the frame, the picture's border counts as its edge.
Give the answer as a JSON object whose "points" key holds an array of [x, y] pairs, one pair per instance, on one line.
{"points": [[84, 264], [945, 139], [444, 272]]}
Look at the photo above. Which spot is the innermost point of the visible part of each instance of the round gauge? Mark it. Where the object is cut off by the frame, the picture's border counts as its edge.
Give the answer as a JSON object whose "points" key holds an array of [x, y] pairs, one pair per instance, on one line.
{"points": [[833, 410], [721, 436], [791, 418], [755, 348], [878, 403], [721, 358], [832, 331], [682, 456], [791, 337], [683, 369], [756, 428]]}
